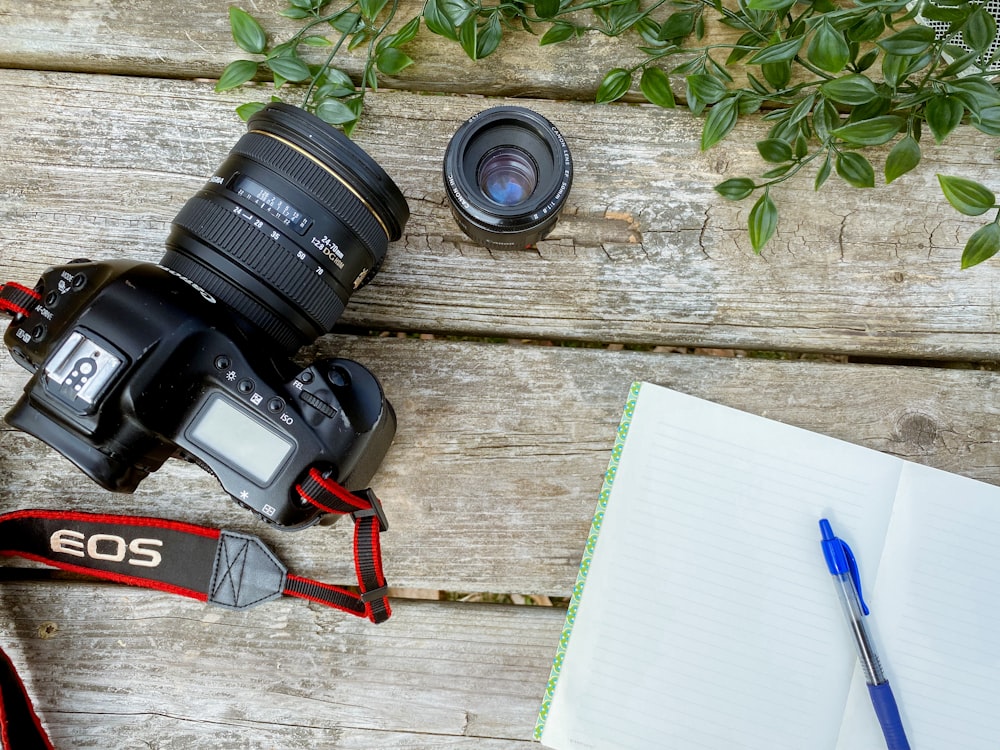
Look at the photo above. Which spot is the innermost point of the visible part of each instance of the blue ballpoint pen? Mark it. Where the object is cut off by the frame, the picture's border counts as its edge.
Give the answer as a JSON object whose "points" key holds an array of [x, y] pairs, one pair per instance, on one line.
{"points": [[844, 568]]}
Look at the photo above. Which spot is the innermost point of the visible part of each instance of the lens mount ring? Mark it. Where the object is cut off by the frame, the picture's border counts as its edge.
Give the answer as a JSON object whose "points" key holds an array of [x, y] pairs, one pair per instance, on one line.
{"points": [[523, 206]]}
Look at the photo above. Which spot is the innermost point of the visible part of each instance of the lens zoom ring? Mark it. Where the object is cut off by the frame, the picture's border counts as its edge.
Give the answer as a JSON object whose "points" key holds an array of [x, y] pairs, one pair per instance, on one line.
{"points": [[233, 236], [329, 191]]}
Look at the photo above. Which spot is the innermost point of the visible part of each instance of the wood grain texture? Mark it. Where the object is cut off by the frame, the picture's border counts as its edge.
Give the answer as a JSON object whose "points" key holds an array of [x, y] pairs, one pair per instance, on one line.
{"points": [[117, 667], [499, 456], [645, 253], [193, 40], [110, 123]]}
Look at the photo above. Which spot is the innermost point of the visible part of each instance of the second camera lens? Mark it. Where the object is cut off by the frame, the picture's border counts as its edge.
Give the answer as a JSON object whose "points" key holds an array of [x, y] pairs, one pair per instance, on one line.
{"points": [[507, 172]]}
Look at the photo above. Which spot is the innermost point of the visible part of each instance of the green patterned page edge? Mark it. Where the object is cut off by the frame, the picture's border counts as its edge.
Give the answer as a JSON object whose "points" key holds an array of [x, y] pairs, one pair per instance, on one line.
{"points": [[588, 554]]}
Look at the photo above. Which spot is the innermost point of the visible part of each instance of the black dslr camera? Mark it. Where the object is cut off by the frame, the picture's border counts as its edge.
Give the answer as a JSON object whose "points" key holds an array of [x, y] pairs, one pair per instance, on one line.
{"points": [[134, 363]]}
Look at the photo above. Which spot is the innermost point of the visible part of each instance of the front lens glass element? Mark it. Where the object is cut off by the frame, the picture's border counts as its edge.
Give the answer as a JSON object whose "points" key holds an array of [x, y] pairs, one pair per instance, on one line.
{"points": [[507, 176]]}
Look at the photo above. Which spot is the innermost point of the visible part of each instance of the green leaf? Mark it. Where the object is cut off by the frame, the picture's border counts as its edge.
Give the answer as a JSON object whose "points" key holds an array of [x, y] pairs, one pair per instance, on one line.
{"points": [[558, 32], [489, 37], [335, 83], [779, 6], [468, 37], [780, 52], [391, 61], [777, 171], [894, 69], [828, 49], [984, 243], [236, 74], [676, 26], [614, 86], [762, 222], [289, 67], [979, 30], [706, 88], [943, 114], [438, 21], [966, 196], [873, 132], [778, 74], [247, 33], [909, 42], [801, 110], [869, 28], [735, 189], [903, 157], [774, 150], [546, 8], [405, 34], [720, 121], [347, 23], [317, 41], [335, 112], [855, 170], [371, 8], [248, 109], [823, 174], [851, 89], [988, 121], [825, 120], [655, 87]]}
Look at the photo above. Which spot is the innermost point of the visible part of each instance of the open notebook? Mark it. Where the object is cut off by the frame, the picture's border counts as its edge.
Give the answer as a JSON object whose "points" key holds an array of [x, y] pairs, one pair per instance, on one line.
{"points": [[705, 617]]}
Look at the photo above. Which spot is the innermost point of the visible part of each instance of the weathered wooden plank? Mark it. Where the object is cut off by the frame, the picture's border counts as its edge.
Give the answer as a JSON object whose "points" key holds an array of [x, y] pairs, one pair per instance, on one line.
{"points": [[193, 40], [494, 474], [117, 667], [646, 252]]}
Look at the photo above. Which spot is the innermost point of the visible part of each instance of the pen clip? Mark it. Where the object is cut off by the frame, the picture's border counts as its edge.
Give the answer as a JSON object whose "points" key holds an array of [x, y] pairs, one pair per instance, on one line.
{"points": [[840, 560]]}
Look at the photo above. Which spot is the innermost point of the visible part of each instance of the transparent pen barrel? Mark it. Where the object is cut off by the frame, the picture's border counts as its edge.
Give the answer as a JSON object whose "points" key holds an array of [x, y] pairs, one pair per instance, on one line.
{"points": [[867, 656]]}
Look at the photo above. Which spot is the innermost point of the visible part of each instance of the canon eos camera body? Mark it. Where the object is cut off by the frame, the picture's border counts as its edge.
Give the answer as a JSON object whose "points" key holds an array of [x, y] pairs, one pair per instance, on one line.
{"points": [[134, 362]]}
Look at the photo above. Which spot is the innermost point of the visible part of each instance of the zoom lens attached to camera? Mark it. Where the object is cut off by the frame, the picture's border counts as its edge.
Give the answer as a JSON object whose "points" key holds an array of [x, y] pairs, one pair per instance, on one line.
{"points": [[507, 172], [134, 363]]}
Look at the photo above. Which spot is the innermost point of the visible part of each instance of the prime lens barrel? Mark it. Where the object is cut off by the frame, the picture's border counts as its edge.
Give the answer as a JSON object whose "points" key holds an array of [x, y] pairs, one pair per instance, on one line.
{"points": [[507, 172], [294, 221]]}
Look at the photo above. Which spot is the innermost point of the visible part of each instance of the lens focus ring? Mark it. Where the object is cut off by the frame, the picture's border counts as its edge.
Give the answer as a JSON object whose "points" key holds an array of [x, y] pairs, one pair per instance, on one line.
{"points": [[265, 257]]}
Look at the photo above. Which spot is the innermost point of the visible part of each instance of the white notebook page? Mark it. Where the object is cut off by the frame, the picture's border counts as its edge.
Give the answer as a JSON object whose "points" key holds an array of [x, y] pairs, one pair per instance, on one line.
{"points": [[708, 619], [937, 617]]}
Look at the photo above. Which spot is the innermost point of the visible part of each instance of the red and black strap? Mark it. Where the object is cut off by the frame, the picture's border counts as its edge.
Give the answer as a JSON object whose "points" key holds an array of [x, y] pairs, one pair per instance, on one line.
{"points": [[221, 567], [20, 727], [16, 299], [369, 522]]}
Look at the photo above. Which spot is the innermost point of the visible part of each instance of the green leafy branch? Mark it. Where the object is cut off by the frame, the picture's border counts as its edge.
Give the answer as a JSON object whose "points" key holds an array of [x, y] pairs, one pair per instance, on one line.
{"points": [[835, 80]]}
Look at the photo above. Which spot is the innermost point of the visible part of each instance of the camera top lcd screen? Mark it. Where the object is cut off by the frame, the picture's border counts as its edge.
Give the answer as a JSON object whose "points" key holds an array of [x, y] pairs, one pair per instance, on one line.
{"points": [[229, 433]]}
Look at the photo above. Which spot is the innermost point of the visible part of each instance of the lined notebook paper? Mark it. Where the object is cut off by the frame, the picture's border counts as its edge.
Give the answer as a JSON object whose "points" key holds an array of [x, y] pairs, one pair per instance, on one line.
{"points": [[705, 617]]}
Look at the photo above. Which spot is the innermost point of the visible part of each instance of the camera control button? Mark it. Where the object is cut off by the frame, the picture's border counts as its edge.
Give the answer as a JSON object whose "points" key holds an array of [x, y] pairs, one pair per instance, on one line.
{"points": [[222, 362], [246, 386], [79, 281], [306, 376], [275, 405], [319, 404]]}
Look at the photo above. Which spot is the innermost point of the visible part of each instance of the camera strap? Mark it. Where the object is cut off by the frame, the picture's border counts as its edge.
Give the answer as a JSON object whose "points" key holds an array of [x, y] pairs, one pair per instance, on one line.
{"points": [[225, 568], [15, 299]]}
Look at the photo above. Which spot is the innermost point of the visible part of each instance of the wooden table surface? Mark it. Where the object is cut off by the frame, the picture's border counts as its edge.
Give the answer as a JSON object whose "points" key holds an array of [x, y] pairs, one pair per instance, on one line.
{"points": [[110, 122]]}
